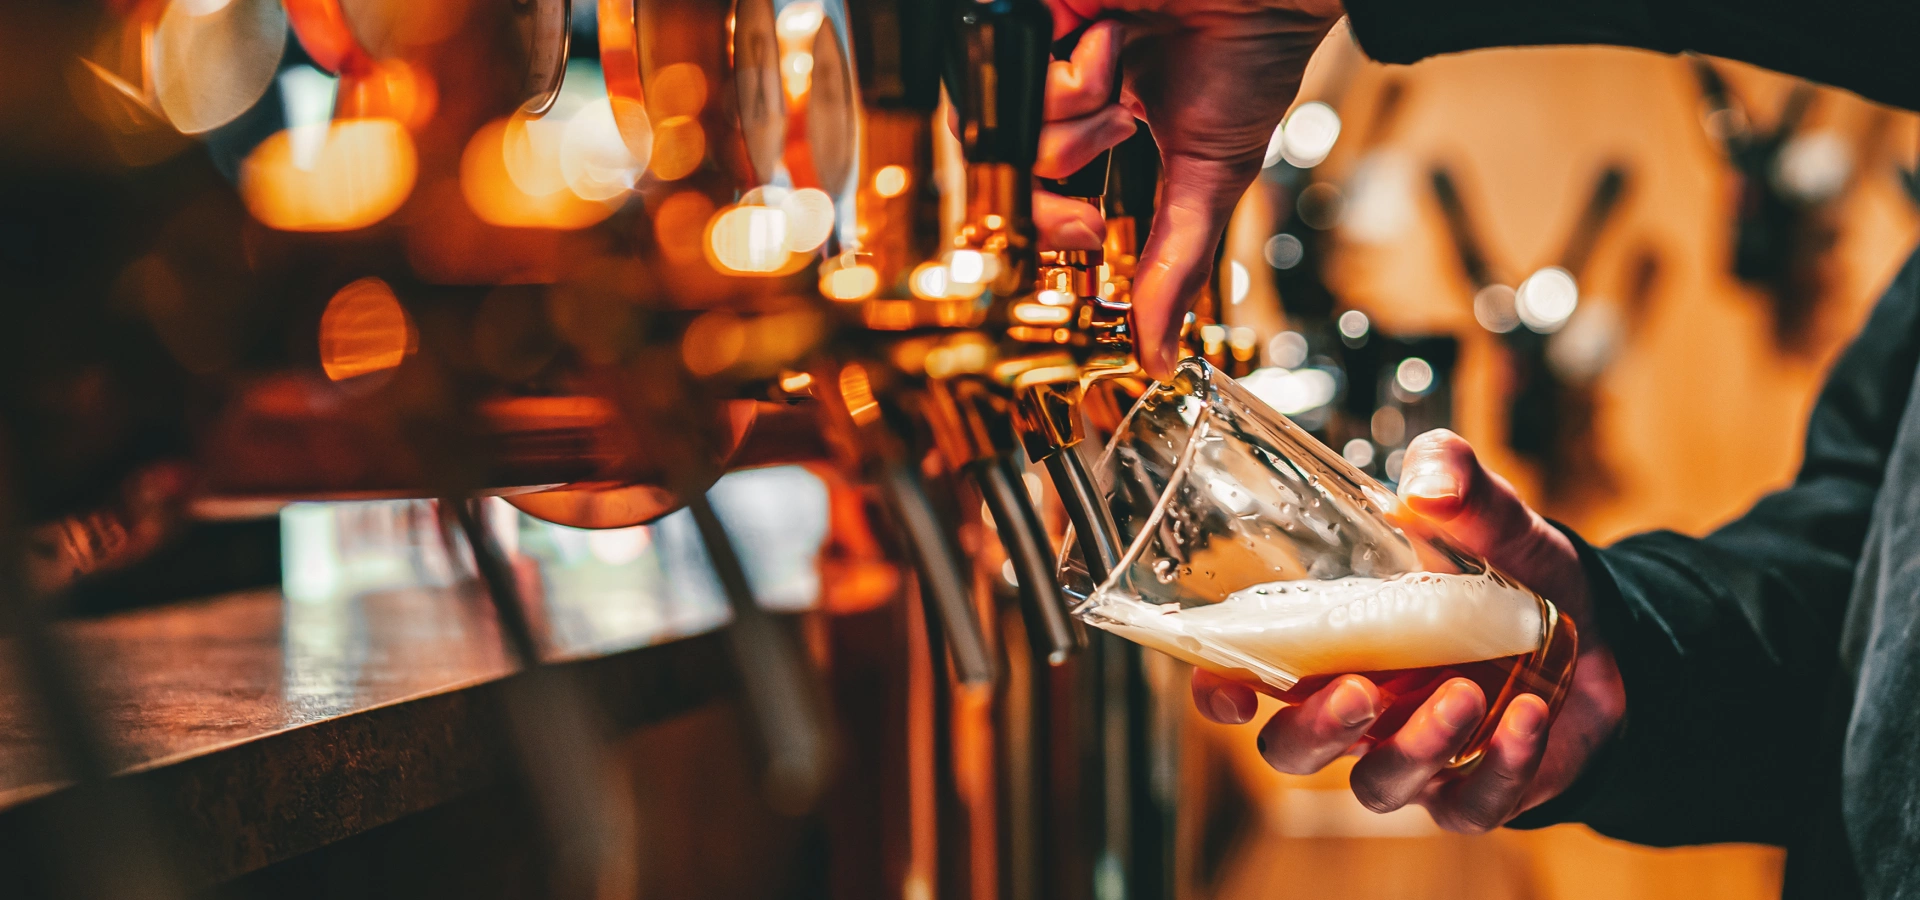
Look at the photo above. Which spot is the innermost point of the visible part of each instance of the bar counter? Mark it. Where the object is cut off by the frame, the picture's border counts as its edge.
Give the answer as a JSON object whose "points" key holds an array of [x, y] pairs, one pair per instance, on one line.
{"points": [[260, 729]]}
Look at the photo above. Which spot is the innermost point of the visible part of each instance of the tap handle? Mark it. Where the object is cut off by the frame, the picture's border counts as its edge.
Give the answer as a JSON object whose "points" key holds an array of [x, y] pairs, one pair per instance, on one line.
{"points": [[1018, 524], [776, 685], [897, 52], [997, 76], [943, 583], [1093, 525]]}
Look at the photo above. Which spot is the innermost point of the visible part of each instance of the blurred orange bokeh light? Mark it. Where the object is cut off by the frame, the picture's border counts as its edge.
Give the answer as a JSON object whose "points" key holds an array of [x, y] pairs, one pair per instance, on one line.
{"points": [[364, 330], [499, 198], [355, 173]]}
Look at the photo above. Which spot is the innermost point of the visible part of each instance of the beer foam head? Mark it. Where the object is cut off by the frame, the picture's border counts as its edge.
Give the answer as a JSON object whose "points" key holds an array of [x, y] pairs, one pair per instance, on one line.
{"points": [[1287, 630]]}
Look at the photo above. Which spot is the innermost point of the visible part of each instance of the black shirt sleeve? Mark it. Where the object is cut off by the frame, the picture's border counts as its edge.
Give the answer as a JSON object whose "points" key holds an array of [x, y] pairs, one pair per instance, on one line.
{"points": [[1729, 644], [1865, 46]]}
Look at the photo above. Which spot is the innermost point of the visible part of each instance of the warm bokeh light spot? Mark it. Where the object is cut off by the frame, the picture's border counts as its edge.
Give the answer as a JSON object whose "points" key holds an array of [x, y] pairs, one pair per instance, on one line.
{"points": [[496, 197], [799, 20], [809, 219], [359, 174], [595, 158], [930, 281], [680, 224], [856, 391], [713, 342], [678, 90], [679, 144], [389, 89], [748, 240], [364, 330], [843, 280], [530, 148], [890, 181]]}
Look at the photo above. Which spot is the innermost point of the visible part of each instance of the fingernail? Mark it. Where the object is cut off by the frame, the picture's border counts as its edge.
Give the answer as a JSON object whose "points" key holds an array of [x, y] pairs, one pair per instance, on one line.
{"points": [[1351, 705], [1433, 485], [1225, 710], [1526, 719], [1077, 236], [1457, 707]]}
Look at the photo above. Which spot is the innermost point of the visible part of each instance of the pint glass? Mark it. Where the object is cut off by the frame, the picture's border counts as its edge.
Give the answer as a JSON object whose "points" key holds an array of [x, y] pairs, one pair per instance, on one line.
{"points": [[1250, 549]]}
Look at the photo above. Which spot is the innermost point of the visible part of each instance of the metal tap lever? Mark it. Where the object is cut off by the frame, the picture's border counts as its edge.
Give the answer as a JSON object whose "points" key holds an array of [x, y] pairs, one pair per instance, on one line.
{"points": [[971, 424], [775, 684], [943, 584], [555, 731], [1093, 525], [1018, 524]]}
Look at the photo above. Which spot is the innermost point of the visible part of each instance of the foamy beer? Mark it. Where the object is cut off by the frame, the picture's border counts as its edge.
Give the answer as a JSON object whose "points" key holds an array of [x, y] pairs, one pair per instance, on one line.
{"points": [[1255, 552]]}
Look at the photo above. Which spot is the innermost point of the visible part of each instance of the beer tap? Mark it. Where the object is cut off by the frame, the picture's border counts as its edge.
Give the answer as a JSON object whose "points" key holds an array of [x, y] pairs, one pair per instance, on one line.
{"points": [[1067, 331]]}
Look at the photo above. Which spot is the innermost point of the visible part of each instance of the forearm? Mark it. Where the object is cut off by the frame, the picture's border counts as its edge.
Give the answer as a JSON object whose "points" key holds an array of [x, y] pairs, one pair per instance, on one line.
{"points": [[1728, 645], [1861, 45]]}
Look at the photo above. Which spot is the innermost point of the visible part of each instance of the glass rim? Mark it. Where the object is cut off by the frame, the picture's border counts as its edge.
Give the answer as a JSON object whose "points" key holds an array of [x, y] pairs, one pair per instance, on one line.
{"points": [[1208, 391]]}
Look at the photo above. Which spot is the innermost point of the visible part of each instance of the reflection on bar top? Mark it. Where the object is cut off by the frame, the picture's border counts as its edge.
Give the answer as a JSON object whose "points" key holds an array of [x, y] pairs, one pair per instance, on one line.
{"points": [[189, 679]]}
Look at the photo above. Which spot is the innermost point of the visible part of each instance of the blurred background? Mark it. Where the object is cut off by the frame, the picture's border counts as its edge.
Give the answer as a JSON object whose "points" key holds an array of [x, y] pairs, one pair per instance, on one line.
{"points": [[1621, 275]]}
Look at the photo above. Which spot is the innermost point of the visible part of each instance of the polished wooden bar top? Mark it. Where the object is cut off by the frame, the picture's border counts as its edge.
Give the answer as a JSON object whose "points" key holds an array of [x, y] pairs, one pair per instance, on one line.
{"points": [[260, 728]]}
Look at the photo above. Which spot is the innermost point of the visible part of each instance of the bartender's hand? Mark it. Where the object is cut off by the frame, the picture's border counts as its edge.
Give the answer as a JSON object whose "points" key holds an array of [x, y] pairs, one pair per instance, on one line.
{"points": [[1212, 78], [1525, 763]]}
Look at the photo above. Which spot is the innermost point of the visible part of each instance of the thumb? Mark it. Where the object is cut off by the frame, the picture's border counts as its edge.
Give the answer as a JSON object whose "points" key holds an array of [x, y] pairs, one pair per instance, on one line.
{"points": [[1196, 200], [1443, 480]]}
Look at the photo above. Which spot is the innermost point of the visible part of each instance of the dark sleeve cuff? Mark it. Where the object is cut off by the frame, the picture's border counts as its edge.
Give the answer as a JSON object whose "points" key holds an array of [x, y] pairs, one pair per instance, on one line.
{"points": [[1405, 31], [1610, 617]]}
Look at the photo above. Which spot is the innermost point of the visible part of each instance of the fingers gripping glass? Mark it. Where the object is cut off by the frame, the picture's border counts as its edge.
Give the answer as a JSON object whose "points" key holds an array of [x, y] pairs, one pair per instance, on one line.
{"points": [[1255, 552]]}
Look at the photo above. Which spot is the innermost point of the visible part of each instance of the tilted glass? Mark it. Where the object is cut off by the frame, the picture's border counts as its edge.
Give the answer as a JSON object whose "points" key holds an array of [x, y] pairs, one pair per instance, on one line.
{"points": [[1256, 552]]}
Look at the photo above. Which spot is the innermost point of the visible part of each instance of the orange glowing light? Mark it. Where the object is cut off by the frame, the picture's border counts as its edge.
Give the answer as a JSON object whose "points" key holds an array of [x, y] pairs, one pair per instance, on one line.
{"points": [[364, 330], [530, 148], [494, 195], [679, 90], [679, 144], [713, 342], [749, 240], [679, 226], [930, 281], [1041, 314], [890, 181], [889, 315], [856, 391], [849, 282], [796, 382], [809, 219], [596, 158], [362, 171], [388, 88]]}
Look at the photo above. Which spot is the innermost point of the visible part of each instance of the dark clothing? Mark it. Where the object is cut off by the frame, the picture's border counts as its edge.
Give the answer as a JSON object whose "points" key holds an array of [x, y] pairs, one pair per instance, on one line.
{"points": [[1865, 46], [1772, 668]]}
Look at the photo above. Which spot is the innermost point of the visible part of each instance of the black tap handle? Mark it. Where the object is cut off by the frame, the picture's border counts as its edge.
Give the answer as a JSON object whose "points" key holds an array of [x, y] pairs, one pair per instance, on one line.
{"points": [[1093, 525], [997, 76], [780, 692], [943, 583], [1018, 525]]}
